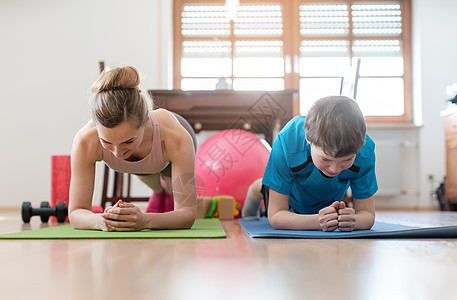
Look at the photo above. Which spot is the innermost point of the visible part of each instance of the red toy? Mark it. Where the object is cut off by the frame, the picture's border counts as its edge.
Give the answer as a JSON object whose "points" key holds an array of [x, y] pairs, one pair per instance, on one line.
{"points": [[61, 175]]}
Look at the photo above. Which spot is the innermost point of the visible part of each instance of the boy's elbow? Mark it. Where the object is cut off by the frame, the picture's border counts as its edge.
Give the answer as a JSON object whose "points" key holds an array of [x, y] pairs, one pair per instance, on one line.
{"points": [[367, 226], [274, 222], [367, 221], [371, 220], [371, 223]]}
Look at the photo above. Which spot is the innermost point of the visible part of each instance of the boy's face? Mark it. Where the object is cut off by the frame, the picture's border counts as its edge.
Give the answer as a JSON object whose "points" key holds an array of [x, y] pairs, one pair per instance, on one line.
{"points": [[328, 164]]}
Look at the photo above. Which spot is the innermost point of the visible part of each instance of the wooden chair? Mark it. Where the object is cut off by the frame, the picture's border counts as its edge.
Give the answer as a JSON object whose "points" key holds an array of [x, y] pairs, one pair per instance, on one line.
{"points": [[118, 189], [118, 182]]}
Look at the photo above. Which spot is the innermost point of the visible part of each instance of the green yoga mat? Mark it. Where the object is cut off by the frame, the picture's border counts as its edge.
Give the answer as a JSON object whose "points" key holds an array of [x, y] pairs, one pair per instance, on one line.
{"points": [[202, 228]]}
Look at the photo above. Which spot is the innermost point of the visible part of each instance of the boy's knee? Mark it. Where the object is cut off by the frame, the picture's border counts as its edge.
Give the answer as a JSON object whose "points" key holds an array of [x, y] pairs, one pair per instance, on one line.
{"points": [[257, 184], [255, 189]]}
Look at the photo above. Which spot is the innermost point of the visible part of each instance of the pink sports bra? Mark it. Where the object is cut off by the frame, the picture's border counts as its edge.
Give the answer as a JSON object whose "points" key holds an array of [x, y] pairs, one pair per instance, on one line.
{"points": [[153, 163]]}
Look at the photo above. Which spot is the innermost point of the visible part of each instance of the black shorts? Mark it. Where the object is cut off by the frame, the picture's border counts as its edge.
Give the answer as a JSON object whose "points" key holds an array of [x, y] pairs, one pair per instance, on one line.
{"points": [[265, 191], [266, 195]]}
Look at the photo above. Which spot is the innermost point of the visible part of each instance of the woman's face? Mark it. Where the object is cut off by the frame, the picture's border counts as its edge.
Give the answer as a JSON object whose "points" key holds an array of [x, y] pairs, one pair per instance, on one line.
{"points": [[328, 164], [121, 140]]}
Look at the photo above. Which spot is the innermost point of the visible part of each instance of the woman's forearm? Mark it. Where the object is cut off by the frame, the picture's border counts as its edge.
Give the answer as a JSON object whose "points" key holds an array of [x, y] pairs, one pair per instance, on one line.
{"points": [[182, 218], [86, 219]]}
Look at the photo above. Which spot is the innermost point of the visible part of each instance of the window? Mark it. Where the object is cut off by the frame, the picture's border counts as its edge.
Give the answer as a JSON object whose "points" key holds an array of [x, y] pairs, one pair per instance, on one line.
{"points": [[242, 49], [356, 48]]}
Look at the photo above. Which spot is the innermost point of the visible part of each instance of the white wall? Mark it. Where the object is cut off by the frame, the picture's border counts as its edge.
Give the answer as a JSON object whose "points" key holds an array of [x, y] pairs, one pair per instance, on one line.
{"points": [[435, 34], [49, 54], [434, 67]]}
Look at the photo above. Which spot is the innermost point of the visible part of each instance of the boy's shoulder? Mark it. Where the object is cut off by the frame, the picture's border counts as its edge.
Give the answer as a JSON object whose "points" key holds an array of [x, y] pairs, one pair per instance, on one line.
{"points": [[295, 123], [294, 130], [368, 146], [292, 136], [366, 155]]}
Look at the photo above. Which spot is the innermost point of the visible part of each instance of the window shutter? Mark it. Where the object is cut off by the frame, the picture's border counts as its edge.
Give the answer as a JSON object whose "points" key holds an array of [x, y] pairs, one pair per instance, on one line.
{"points": [[324, 20], [376, 19], [258, 20], [208, 20], [241, 44]]}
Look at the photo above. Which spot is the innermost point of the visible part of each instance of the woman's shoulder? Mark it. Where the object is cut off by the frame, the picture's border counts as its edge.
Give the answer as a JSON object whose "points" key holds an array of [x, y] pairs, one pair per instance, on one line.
{"points": [[175, 137], [168, 123], [87, 142], [164, 116]]}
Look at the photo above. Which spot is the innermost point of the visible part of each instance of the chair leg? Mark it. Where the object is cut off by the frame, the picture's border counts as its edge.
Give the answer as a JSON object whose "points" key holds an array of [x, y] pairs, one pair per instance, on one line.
{"points": [[129, 182], [105, 187], [118, 189]]}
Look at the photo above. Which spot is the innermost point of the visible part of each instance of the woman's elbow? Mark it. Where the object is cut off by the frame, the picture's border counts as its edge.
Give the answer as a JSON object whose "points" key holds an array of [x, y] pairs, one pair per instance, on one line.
{"points": [[189, 218], [78, 218], [74, 220]]}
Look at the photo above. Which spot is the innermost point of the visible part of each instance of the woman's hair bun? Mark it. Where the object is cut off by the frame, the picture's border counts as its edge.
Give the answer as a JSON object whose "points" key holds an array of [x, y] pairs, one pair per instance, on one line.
{"points": [[125, 77]]}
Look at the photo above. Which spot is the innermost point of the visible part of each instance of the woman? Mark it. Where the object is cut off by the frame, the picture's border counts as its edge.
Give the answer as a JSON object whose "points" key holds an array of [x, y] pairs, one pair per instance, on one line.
{"points": [[157, 145]]}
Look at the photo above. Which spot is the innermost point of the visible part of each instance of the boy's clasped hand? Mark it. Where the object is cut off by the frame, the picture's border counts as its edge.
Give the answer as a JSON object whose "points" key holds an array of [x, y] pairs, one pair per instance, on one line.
{"points": [[337, 216]]}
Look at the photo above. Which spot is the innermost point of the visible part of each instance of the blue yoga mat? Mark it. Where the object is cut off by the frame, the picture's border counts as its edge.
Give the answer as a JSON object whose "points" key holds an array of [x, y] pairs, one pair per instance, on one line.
{"points": [[262, 229]]}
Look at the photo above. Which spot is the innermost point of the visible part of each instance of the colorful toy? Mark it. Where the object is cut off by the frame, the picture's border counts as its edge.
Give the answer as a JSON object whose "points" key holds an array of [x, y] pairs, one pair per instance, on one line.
{"points": [[228, 162], [223, 207]]}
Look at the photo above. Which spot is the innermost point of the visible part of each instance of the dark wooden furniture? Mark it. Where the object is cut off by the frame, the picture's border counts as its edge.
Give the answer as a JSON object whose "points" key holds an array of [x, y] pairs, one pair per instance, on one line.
{"points": [[450, 123], [256, 111]]}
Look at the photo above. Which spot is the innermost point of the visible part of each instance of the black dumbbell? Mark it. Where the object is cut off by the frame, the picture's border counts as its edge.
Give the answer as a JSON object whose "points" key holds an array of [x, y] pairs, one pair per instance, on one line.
{"points": [[60, 211]]}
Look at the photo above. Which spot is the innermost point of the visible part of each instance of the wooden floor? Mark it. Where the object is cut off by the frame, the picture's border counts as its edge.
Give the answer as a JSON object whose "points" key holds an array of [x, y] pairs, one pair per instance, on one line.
{"points": [[237, 267]]}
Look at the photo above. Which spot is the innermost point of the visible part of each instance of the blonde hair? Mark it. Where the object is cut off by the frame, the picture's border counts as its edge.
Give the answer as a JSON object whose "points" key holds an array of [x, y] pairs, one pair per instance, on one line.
{"points": [[118, 98], [336, 124]]}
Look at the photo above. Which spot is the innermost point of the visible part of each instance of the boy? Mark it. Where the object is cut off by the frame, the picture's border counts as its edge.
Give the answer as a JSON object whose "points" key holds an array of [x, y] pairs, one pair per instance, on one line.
{"points": [[313, 162]]}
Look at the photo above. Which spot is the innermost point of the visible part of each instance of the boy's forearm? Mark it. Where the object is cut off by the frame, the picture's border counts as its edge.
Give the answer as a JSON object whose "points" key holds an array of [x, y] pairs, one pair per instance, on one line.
{"points": [[292, 221], [288, 220], [364, 220]]}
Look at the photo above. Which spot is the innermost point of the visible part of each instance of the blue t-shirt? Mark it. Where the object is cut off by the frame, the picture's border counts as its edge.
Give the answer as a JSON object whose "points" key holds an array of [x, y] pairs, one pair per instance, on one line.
{"points": [[291, 171]]}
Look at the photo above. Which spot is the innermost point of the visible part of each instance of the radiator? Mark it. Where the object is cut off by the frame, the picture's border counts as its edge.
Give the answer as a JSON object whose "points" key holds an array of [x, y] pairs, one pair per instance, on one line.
{"points": [[388, 168]]}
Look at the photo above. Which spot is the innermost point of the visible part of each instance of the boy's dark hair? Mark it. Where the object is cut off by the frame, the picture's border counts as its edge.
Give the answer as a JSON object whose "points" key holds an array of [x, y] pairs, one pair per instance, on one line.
{"points": [[336, 125]]}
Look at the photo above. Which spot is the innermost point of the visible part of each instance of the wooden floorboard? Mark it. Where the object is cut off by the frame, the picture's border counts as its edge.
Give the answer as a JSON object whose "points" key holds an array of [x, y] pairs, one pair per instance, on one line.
{"points": [[237, 267]]}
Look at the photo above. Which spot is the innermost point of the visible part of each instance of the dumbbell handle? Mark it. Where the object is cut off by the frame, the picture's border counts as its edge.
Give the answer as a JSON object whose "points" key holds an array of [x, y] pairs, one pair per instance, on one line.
{"points": [[60, 211], [44, 211]]}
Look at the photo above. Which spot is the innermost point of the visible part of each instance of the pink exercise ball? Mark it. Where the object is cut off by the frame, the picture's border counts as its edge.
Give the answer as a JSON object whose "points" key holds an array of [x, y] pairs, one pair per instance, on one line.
{"points": [[228, 162]]}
